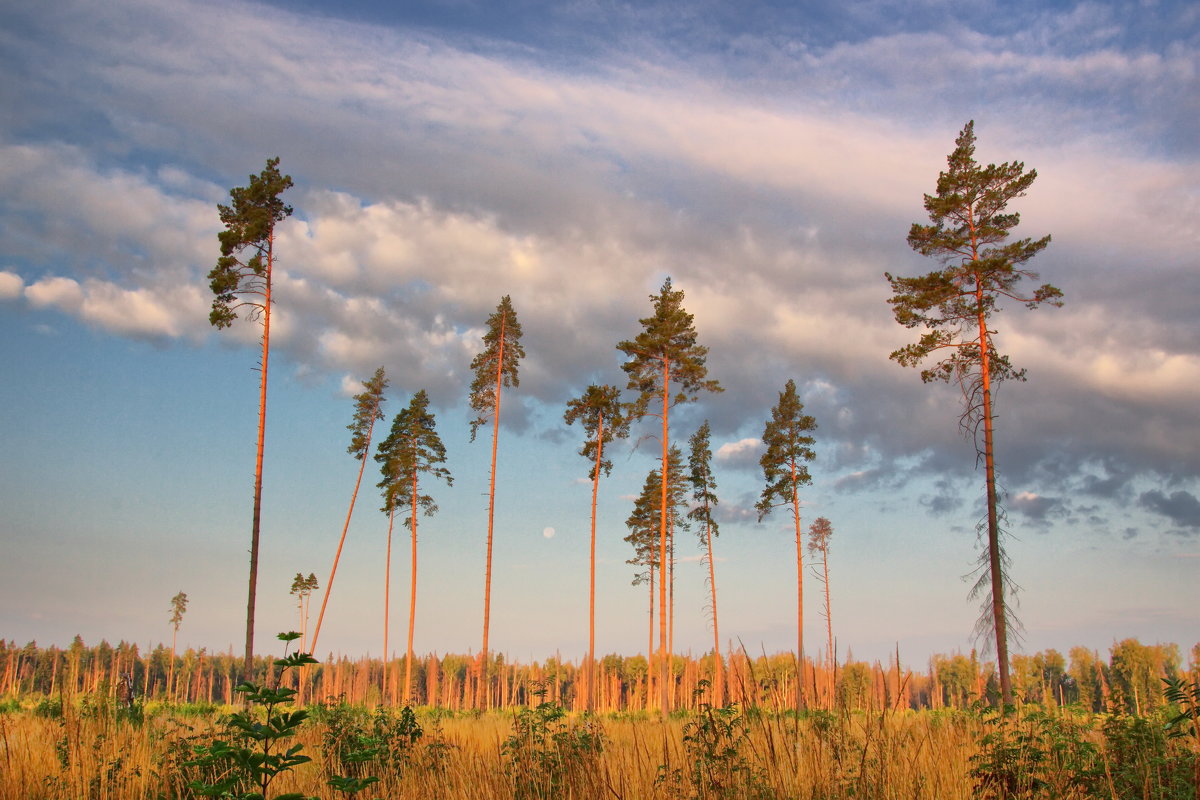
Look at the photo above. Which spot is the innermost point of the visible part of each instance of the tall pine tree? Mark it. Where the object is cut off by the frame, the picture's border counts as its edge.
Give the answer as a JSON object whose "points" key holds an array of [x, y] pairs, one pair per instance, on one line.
{"points": [[411, 449], [665, 364], [784, 465], [600, 412], [241, 280], [980, 270], [495, 367]]}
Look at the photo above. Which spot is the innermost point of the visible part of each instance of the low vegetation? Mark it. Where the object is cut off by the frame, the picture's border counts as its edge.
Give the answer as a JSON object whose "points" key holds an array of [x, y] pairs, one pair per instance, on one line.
{"points": [[110, 745]]}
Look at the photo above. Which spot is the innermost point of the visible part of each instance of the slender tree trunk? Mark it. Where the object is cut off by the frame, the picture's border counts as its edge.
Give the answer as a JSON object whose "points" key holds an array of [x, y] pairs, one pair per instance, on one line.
{"points": [[387, 601], [255, 526], [801, 703], [591, 665], [650, 642], [829, 622], [718, 675], [171, 672], [671, 590], [349, 513], [487, 580], [994, 560], [412, 597], [664, 658]]}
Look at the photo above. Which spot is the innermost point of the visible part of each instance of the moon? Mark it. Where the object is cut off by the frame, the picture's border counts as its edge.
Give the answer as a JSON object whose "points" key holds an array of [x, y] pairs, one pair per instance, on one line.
{"points": [[548, 532]]}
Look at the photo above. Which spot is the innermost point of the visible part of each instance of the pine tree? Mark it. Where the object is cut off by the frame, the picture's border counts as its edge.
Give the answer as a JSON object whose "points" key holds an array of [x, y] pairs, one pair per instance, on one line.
{"points": [[704, 495], [956, 303], [242, 280], [494, 368], [366, 413], [600, 412], [784, 467], [819, 534], [178, 608], [665, 355], [411, 449]]}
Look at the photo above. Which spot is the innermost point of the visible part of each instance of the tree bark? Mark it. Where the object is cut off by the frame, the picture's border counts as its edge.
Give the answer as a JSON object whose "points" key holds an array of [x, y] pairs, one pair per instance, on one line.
{"points": [[412, 598], [664, 656], [346, 527], [255, 525], [591, 665], [801, 703], [487, 581]]}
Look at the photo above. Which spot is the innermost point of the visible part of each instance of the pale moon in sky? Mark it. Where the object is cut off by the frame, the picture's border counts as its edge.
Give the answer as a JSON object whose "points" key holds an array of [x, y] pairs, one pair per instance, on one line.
{"points": [[548, 532]]}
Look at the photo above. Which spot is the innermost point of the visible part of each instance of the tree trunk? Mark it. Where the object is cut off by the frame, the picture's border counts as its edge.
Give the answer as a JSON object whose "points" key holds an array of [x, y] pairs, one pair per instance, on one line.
{"points": [[994, 561], [487, 580], [591, 665], [664, 658], [255, 526], [350, 512], [387, 602], [718, 674], [412, 598], [801, 703]]}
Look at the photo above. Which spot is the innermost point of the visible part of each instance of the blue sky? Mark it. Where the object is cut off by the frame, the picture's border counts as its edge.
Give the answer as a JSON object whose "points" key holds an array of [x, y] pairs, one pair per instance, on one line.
{"points": [[768, 157]]}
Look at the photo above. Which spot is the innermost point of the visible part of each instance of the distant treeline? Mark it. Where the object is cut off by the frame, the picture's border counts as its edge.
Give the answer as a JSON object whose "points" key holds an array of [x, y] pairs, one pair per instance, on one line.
{"points": [[1129, 680]]}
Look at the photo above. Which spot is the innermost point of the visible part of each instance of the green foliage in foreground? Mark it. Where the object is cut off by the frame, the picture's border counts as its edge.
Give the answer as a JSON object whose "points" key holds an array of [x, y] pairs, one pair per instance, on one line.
{"points": [[245, 765]]}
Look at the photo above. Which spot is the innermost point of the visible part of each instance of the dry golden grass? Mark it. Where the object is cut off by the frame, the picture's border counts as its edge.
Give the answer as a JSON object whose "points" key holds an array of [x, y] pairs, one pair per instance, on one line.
{"points": [[903, 755]]}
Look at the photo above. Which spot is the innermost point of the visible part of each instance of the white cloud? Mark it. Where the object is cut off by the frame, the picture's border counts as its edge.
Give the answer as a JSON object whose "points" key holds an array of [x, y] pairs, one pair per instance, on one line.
{"points": [[741, 450], [64, 294], [12, 285]]}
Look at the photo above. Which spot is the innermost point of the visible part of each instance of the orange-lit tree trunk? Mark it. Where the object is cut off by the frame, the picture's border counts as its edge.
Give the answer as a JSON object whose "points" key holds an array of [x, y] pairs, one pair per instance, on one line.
{"points": [[787, 446], [801, 698], [387, 605], [664, 664], [591, 656], [362, 427], [250, 221], [494, 368], [968, 235], [666, 350], [487, 578], [704, 497], [412, 596]]}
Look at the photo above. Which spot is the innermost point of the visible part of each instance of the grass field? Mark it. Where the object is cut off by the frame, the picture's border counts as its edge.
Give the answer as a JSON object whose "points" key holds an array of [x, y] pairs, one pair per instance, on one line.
{"points": [[90, 749]]}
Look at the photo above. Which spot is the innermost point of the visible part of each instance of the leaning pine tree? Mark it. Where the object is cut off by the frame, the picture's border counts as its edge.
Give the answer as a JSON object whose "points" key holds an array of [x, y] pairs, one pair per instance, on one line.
{"points": [[242, 280], [366, 414], [494, 368], [789, 447], [411, 449], [980, 270], [665, 364]]}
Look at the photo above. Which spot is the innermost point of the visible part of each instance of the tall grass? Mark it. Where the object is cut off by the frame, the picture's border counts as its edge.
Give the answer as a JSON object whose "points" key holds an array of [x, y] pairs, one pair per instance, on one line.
{"points": [[92, 750]]}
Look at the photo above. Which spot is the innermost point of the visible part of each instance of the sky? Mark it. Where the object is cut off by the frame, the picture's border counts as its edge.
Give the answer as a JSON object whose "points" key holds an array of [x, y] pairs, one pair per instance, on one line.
{"points": [[768, 157]]}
